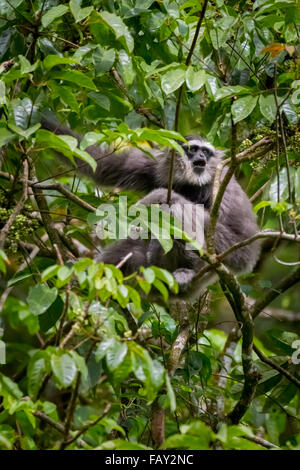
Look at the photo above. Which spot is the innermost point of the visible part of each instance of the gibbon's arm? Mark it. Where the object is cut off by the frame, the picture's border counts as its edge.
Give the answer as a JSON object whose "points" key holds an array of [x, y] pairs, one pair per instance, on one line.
{"points": [[129, 169]]}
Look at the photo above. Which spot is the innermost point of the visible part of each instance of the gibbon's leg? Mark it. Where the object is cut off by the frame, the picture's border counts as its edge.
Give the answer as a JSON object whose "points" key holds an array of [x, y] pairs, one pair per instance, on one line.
{"points": [[183, 263], [128, 169], [116, 252]]}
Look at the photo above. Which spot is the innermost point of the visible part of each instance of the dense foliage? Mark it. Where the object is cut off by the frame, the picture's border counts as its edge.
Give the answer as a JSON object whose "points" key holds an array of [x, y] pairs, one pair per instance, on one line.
{"points": [[87, 361]]}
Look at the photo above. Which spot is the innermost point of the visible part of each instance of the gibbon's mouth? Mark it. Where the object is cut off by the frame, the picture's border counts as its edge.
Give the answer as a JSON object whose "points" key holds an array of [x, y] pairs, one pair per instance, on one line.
{"points": [[199, 169]]}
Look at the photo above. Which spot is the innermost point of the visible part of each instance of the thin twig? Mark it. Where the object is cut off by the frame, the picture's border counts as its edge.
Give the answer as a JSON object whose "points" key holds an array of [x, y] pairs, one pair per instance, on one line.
{"points": [[258, 235], [260, 441], [66, 192], [275, 366], [139, 109], [275, 291], [87, 426]]}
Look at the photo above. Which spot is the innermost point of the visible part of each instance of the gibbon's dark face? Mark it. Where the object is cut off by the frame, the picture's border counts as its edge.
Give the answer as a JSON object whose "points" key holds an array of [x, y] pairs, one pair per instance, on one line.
{"points": [[198, 154], [199, 162], [197, 166]]}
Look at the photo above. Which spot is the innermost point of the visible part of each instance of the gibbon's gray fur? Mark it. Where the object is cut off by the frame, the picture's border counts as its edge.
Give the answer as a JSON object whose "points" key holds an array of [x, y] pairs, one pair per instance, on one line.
{"points": [[193, 180]]}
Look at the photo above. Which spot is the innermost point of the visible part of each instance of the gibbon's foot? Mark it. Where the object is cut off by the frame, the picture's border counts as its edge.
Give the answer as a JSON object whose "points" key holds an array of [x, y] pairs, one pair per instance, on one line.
{"points": [[184, 277]]}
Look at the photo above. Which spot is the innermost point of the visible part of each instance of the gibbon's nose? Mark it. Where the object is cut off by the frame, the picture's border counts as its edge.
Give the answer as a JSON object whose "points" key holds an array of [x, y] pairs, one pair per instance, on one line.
{"points": [[199, 162]]}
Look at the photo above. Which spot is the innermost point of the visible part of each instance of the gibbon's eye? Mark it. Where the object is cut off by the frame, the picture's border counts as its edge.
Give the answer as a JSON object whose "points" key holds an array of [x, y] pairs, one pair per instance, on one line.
{"points": [[193, 149], [207, 152]]}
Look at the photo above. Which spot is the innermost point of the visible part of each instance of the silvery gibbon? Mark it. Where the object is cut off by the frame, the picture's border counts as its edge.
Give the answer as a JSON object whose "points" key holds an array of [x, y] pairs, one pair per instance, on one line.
{"points": [[132, 169]]}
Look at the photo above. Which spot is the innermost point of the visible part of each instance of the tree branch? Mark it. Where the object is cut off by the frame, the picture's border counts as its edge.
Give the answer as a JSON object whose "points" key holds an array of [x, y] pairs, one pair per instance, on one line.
{"points": [[260, 441], [275, 291], [66, 192], [275, 366], [259, 149], [258, 235], [251, 375]]}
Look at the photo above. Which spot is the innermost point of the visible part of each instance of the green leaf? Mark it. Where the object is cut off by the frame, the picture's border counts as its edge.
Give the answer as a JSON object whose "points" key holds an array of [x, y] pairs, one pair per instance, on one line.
{"points": [[36, 370], [100, 99], [49, 140], [2, 93], [267, 107], [8, 436], [24, 133], [114, 352], [64, 273], [53, 13], [80, 364], [229, 91], [90, 138], [242, 107], [103, 347], [161, 288], [8, 387], [26, 66], [290, 112], [165, 276], [134, 297], [260, 205], [74, 76], [16, 280], [53, 60], [78, 12], [148, 274], [40, 298], [64, 144], [64, 369], [162, 137], [195, 79], [3, 260], [283, 187], [211, 85], [52, 314], [125, 66], [282, 340], [103, 59], [157, 374], [86, 157], [115, 355], [173, 79], [51, 271], [4, 256], [119, 444], [120, 29], [67, 97], [5, 136], [185, 441]]}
